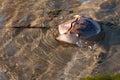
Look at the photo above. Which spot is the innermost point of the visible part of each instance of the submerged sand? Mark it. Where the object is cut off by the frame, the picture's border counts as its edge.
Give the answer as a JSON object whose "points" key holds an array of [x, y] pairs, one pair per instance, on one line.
{"points": [[32, 53]]}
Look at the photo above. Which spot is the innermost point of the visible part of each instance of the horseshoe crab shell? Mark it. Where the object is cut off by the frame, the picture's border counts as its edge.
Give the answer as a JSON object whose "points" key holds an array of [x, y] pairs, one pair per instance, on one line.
{"points": [[80, 31]]}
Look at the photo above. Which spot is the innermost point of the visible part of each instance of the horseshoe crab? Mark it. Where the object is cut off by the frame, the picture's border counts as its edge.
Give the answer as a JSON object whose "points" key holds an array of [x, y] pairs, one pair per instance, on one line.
{"points": [[81, 31]]}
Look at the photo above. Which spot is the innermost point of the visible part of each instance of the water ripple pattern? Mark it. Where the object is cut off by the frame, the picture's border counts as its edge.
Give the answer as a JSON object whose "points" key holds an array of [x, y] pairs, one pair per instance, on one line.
{"points": [[34, 54]]}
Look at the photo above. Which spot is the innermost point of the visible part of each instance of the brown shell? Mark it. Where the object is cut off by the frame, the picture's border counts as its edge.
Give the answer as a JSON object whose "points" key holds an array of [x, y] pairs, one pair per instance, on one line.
{"points": [[82, 32]]}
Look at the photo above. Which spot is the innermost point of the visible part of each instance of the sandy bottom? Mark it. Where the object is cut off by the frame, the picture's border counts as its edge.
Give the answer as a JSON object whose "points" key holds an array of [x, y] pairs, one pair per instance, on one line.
{"points": [[30, 52]]}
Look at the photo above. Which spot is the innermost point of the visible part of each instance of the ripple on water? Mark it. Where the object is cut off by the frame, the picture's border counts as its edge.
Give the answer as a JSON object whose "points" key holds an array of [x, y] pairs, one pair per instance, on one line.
{"points": [[47, 41], [28, 36], [6, 37], [62, 55], [108, 6], [1, 35], [84, 0], [2, 21], [11, 49], [28, 61], [37, 42]]}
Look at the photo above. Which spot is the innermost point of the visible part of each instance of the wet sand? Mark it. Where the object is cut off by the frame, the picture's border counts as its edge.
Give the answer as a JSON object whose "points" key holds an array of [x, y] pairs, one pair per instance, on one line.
{"points": [[29, 51]]}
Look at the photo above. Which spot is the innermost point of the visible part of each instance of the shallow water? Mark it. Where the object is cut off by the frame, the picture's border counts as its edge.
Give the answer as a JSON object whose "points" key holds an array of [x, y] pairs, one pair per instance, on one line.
{"points": [[32, 53]]}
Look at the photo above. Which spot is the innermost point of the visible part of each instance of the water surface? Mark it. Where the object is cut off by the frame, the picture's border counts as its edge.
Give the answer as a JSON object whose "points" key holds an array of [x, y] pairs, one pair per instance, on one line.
{"points": [[34, 54]]}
